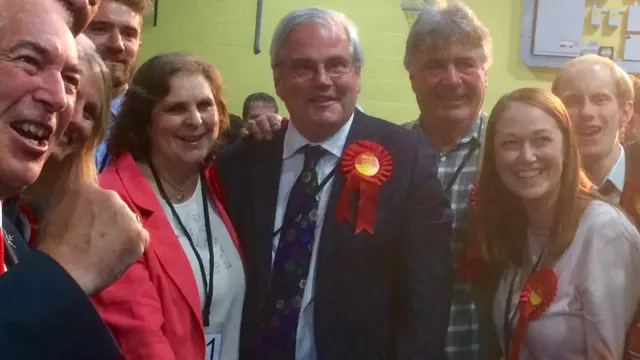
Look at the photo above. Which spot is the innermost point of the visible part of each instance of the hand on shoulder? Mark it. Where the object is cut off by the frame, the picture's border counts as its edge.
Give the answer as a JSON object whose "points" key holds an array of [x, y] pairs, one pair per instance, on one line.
{"points": [[264, 127]]}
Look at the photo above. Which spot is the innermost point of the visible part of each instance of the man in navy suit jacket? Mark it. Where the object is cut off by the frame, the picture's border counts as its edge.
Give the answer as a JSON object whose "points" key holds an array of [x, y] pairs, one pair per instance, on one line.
{"points": [[380, 293], [44, 309]]}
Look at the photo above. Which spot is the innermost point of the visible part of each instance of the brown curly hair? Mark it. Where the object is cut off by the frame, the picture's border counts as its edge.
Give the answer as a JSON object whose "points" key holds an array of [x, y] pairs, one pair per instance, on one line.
{"points": [[150, 85]]}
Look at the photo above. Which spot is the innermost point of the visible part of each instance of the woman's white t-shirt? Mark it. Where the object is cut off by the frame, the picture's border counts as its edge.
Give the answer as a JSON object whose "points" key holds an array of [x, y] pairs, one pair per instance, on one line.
{"points": [[228, 274]]}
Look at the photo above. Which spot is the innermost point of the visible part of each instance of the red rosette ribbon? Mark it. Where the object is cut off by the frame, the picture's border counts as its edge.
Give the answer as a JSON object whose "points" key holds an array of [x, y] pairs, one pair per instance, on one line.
{"points": [[471, 266], [366, 165], [630, 200], [537, 294]]}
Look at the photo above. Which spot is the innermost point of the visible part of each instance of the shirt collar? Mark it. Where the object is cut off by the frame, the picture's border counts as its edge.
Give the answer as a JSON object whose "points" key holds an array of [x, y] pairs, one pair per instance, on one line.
{"points": [[116, 102], [617, 173], [476, 132], [293, 140]]}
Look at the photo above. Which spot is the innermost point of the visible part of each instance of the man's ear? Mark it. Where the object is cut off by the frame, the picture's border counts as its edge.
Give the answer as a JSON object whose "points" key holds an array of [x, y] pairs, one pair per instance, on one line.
{"points": [[627, 113]]}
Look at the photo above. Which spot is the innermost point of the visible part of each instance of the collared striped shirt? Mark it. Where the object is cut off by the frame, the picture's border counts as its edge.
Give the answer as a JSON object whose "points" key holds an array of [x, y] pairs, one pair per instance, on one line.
{"points": [[463, 340]]}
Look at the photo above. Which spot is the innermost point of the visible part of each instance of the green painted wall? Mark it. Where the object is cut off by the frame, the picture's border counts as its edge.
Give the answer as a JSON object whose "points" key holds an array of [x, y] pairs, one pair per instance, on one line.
{"points": [[221, 31]]}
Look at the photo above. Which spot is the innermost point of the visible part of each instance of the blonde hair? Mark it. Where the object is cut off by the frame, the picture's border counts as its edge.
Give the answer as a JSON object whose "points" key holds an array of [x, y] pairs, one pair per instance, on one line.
{"points": [[140, 7], [622, 80], [85, 169], [504, 241]]}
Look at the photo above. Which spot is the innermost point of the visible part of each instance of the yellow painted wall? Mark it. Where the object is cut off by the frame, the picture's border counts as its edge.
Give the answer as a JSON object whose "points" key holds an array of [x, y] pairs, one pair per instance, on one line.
{"points": [[221, 31]]}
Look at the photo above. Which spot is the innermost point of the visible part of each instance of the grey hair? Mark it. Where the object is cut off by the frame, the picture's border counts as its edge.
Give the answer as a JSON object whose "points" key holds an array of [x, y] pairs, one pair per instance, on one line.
{"points": [[60, 10], [317, 15], [66, 15], [84, 45], [442, 25], [51, 6]]}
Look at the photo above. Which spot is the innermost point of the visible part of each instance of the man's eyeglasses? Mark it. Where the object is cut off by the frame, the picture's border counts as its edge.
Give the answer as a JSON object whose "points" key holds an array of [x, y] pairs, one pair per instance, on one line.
{"points": [[305, 71]]}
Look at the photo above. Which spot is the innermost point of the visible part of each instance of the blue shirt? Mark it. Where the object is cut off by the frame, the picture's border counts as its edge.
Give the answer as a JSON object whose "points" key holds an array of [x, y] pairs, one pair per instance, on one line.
{"points": [[102, 156]]}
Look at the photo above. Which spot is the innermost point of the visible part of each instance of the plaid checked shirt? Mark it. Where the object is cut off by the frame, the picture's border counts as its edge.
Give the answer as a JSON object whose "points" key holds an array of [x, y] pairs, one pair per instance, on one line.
{"points": [[463, 341]]}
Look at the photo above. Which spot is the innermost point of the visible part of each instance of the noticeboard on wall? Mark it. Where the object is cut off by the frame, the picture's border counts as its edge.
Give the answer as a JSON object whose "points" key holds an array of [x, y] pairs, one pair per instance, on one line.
{"points": [[555, 31]]}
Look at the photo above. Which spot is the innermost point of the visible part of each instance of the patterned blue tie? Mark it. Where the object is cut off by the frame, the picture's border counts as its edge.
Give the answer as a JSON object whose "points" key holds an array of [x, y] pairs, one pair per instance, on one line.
{"points": [[291, 263]]}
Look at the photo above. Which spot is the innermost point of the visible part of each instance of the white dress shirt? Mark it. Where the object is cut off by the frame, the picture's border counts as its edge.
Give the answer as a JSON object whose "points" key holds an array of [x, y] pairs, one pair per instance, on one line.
{"points": [[598, 290], [292, 164], [617, 176]]}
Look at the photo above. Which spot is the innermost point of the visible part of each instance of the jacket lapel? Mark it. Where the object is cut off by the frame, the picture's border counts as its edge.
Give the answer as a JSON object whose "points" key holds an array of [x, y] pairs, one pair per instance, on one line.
{"points": [[164, 242], [266, 183], [214, 196], [331, 232], [16, 246]]}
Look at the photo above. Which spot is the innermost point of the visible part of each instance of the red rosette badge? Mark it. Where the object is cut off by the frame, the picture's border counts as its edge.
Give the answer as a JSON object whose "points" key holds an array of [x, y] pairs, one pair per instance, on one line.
{"points": [[473, 196], [537, 294], [366, 165]]}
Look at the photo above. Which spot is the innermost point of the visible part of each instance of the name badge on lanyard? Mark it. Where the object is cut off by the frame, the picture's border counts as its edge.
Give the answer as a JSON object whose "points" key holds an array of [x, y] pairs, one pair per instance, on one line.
{"points": [[214, 343]]}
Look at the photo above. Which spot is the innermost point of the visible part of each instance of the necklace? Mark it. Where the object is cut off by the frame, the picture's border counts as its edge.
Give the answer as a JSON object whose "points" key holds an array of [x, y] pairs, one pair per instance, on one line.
{"points": [[181, 195], [179, 188]]}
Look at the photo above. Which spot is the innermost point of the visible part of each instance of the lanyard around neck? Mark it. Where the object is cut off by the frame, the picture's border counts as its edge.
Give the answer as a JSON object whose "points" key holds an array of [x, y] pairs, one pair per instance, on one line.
{"points": [[509, 318], [207, 284]]}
